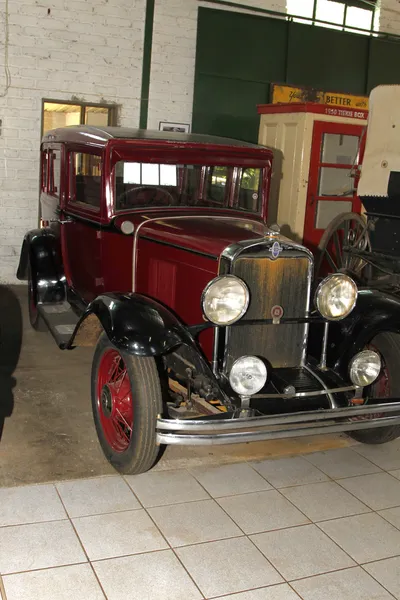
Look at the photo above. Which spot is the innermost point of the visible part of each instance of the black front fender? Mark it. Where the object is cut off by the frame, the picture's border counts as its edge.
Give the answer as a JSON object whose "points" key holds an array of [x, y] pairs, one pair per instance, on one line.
{"points": [[136, 324], [376, 312]]}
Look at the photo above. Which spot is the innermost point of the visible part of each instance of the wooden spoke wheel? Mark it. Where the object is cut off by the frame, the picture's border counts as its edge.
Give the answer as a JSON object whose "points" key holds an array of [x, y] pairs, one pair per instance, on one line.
{"points": [[347, 230]]}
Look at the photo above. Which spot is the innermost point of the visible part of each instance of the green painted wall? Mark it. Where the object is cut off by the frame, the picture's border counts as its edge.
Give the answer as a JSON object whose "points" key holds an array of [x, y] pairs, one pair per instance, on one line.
{"points": [[240, 55]]}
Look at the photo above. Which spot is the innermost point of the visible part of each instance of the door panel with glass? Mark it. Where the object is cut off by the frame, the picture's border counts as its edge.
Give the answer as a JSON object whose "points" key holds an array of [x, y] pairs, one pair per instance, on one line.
{"points": [[334, 169]]}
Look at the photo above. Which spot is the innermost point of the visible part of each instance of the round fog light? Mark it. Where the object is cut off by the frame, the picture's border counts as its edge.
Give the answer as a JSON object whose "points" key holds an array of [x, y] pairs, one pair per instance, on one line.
{"points": [[248, 375], [365, 368]]}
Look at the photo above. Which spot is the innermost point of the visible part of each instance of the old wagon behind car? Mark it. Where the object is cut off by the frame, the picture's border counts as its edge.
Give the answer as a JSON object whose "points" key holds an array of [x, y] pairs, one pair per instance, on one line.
{"points": [[207, 325]]}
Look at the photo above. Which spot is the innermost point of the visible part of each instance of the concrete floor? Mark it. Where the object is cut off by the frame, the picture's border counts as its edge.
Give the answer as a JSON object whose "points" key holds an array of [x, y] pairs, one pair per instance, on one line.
{"points": [[48, 432]]}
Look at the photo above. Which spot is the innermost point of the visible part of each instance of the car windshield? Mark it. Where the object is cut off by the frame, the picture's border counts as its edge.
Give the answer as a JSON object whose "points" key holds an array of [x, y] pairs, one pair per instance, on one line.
{"points": [[139, 185]]}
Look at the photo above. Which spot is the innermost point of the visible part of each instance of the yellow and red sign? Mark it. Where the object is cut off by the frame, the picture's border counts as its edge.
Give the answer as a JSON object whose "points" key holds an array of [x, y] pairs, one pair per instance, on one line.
{"points": [[287, 94]]}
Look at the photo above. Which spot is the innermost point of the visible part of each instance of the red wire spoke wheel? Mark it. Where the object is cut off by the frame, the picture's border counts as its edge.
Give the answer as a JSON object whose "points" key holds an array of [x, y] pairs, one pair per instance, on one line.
{"points": [[126, 402], [114, 400]]}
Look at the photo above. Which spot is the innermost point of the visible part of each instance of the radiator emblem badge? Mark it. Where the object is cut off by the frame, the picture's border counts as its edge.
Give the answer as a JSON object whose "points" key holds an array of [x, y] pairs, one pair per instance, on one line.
{"points": [[276, 314], [275, 250]]}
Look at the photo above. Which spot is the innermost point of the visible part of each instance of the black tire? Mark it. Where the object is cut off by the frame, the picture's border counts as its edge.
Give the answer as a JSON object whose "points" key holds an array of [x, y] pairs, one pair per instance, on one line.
{"points": [[142, 452], [35, 319], [388, 346]]}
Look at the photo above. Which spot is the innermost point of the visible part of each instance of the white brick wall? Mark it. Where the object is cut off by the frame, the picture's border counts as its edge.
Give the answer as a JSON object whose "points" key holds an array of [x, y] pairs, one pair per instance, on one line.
{"points": [[389, 16], [174, 53], [91, 49]]}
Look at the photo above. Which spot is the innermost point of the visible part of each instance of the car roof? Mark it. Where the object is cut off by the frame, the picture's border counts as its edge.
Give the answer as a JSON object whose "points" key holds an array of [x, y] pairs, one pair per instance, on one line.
{"points": [[101, 135]]}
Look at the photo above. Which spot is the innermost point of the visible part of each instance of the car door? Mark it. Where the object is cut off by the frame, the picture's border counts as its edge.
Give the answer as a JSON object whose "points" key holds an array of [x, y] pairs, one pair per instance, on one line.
{"points": [[81, 233]]}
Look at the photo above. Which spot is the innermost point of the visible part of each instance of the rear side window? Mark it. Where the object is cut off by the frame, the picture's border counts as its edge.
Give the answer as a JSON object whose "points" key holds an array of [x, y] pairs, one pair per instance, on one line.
{"points": [[54, 176], [45, 170], [85, 179]]}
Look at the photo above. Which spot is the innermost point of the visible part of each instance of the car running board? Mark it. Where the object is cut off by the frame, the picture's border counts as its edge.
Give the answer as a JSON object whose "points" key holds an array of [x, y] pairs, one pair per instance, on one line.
{"points": [[61, 321]]}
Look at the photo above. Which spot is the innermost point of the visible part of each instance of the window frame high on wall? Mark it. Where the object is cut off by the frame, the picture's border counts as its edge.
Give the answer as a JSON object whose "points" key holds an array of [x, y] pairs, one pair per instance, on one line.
{"points": [[310, 20], [367, 5], [112, 110]]}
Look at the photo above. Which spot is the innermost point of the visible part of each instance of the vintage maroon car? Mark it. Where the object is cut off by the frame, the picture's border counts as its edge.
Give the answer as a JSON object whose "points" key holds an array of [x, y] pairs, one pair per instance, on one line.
{"points": [[154, 248]]}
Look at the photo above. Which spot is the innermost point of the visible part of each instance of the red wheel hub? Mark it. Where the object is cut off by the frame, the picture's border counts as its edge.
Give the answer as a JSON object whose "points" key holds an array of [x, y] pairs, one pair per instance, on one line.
{"points": [[114, 400]]}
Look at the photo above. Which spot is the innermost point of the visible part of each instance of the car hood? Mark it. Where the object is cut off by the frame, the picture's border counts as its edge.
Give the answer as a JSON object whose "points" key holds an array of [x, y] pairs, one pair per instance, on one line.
{"points": [[208, 235]]}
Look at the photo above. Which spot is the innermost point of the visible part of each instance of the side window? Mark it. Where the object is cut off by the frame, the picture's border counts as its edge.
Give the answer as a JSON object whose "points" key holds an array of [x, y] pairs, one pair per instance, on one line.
{"points": [[217, 184], [85, 179], [45, 158], [54, 166], [249, 189]]}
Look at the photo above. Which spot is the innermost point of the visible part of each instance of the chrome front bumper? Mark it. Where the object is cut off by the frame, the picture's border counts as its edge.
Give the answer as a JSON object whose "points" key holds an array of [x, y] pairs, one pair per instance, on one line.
{"points": [[209, 431]]}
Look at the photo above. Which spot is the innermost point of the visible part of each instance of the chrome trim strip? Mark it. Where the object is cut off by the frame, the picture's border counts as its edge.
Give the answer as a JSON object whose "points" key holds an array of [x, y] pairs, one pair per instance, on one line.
{"points": [[322, 363], [258, 436], [209, 425], [332, 401], [349, 388]]}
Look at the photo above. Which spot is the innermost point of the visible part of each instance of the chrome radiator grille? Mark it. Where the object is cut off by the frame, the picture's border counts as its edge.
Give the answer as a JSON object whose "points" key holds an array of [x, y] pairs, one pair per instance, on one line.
{"points": [[283, 282]]}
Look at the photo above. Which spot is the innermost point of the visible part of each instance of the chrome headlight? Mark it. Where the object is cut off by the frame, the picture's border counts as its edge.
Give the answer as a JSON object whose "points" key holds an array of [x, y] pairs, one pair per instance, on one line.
{"points": [[225, 300], [248, 375], [365, 368], [336, 296]]}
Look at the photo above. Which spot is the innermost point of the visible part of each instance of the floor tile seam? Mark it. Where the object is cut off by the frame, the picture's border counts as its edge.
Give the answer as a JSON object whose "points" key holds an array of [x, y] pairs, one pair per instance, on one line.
{"points": [[58, 482], [370, 562], [379, 583], [176, 555], [38, 569], [113, 512], [66, 518], [267, 559], [179, 503], [346, 448], [296, 508], [356, 514], [294, 484], [262, 587], [385, 519], [231, 537], [306, 577], [75, 531], [3, 594], [293, 580], [209, 497], [337, 543], [229, 516], [370, 460], [362, 502], [98, 581], [322, 573], [131, 489]]}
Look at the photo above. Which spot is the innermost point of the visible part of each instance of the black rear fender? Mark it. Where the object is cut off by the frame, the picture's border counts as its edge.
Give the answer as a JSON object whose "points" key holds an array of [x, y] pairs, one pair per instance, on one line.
{"points": [[41, 252]]}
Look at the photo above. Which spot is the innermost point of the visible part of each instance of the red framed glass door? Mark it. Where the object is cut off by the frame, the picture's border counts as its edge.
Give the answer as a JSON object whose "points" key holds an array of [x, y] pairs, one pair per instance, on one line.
{"points": [[336, 153]]}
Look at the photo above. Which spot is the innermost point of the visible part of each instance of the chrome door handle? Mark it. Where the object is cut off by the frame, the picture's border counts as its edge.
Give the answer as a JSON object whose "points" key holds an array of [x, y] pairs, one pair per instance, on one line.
{"points": [[62, 222]]}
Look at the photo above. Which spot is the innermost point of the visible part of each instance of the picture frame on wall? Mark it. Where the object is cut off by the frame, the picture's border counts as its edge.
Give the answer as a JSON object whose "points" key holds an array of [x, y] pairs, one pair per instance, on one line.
{"points": [[174, 127]]}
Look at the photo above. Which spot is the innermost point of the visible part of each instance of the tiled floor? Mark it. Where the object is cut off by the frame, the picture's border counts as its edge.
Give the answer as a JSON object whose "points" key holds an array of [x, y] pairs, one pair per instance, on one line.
{"points": [[323, 526]]}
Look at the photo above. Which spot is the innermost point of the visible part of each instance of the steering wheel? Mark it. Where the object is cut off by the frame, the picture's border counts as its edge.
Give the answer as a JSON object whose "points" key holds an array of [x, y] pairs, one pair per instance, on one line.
{"points": [[147, 187]]}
